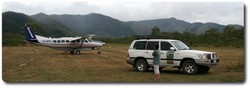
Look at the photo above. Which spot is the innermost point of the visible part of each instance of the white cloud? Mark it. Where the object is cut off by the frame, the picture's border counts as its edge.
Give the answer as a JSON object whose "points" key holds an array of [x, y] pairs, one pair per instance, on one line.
{"points": [[219, 12]]}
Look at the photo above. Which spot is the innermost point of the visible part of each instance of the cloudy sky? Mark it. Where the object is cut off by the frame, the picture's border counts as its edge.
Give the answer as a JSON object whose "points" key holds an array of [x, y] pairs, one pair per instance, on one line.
{"points": [[128, 10]]}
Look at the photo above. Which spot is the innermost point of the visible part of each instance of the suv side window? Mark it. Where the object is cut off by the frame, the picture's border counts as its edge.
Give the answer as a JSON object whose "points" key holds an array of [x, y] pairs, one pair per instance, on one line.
{"points": [[165, 46], [151, 45], [140, 45]]}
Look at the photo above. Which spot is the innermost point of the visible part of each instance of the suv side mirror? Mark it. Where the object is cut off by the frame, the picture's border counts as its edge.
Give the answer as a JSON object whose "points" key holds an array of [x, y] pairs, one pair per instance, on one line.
{"points": [[172, 48]]}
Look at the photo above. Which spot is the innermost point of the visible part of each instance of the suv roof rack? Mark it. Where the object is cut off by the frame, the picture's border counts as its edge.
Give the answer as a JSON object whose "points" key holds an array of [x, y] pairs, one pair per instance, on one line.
{"points": [[150, 37]]}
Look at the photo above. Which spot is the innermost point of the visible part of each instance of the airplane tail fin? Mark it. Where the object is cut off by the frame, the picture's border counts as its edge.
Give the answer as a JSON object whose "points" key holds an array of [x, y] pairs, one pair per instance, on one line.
{"points": [[29, 35]]}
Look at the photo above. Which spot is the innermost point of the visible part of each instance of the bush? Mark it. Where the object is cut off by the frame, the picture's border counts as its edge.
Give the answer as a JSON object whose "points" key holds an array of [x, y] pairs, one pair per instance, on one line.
{"points": [[239, 67]]}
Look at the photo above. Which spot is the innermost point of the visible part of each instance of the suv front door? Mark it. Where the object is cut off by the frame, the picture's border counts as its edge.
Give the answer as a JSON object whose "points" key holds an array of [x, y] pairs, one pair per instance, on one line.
{"points": [[167, 54]]}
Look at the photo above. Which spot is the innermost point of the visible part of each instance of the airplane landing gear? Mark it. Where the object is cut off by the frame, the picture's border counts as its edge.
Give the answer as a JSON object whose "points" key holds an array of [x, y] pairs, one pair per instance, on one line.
{"points": [[99, 52], [77, 52], [71, 52]]}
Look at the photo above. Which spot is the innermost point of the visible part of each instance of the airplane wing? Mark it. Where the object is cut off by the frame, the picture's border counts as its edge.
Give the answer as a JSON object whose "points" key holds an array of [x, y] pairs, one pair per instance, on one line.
{"points": [[81, 38], [90, 36], [84, 37]]}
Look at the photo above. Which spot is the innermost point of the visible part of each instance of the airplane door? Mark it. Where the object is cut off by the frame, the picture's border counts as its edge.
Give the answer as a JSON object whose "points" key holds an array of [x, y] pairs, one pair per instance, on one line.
{"points": [[166, 54], [84, 43]]}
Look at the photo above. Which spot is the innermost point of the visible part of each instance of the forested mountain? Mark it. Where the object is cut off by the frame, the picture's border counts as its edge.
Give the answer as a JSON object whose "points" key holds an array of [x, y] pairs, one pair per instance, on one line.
{"points": [[166, 25], [94, 23], [101, 25], [13, 26], [14, 22], [173, 25], [54, 28], [106, 26]]}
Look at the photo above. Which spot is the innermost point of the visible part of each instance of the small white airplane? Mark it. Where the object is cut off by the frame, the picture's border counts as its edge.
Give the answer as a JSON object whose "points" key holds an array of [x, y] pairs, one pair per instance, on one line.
{"points": [[68, 44]]}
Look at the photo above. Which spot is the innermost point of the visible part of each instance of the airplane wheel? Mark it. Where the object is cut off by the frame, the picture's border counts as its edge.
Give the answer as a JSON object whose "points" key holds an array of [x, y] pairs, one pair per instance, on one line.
{"points": [[99, 52], [77, 52]]}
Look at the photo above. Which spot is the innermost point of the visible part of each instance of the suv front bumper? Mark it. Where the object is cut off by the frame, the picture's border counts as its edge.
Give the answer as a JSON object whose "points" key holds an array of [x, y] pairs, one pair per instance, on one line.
{"points": [[207, 62]]}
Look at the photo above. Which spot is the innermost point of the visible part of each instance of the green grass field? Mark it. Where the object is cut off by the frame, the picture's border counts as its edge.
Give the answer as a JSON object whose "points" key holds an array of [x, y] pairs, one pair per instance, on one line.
{"points": [[42, 64]]}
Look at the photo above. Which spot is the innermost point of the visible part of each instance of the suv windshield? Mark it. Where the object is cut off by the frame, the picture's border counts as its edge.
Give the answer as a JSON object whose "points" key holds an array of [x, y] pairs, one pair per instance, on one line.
{"points": [[180, 45]]}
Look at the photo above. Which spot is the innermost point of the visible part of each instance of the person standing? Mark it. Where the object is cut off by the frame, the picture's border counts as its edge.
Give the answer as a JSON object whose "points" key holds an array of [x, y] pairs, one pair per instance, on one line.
{"points": [[156, 61]]}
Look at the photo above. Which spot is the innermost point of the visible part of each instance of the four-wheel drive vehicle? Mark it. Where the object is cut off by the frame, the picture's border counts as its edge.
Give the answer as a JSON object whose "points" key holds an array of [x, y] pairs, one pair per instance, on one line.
{"points": [[174, 53]]}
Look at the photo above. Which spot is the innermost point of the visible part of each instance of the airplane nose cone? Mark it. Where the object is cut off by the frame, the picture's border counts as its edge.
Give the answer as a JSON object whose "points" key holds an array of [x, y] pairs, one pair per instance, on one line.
{"points": [[99, 43]]}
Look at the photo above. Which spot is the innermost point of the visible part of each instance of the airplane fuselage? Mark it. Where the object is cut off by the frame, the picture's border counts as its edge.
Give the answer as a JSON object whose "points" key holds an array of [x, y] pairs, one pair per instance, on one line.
{"points": [[71, 44], [68, 43]]}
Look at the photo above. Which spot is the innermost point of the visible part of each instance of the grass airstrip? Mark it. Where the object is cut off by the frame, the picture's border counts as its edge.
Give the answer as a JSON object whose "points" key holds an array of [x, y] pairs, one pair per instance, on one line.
{"points": [[42, 64]]}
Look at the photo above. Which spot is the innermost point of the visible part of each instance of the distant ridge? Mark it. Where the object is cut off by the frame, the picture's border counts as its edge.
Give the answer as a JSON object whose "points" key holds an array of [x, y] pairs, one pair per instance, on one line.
{"points": [[102, 25]]}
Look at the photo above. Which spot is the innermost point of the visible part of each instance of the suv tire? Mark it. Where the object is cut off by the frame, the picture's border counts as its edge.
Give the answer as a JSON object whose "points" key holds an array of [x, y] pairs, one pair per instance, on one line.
{"points": [[141, 65], [189, 67]]}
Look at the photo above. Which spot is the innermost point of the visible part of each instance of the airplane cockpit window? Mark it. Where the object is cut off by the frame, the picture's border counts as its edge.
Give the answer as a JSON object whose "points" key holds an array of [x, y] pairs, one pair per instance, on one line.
{"points": [[86, 40], [77, 40], [90, 40]]}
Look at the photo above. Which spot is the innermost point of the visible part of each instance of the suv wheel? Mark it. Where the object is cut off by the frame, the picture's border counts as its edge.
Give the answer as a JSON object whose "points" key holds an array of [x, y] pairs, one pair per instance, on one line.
{"points": [[141, 65], [189, 67]]}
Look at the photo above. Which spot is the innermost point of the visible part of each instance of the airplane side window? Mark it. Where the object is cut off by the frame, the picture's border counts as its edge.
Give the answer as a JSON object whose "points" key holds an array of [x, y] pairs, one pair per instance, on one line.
{"points": [[63, 41], [54, 41], [58, 41], [73, 41], [67, 41]]}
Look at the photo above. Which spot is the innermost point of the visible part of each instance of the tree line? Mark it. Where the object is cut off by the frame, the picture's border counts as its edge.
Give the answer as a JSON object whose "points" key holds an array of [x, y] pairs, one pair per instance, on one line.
{"points": [[230, 37]]}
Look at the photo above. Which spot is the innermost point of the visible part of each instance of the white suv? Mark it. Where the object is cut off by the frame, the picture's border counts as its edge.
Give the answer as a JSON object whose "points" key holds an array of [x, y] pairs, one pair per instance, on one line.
{"points": [[174, 53]]}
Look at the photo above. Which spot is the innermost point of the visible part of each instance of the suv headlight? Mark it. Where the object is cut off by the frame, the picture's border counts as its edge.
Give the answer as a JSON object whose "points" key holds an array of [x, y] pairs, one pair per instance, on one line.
{"points": [[203, 56]]}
